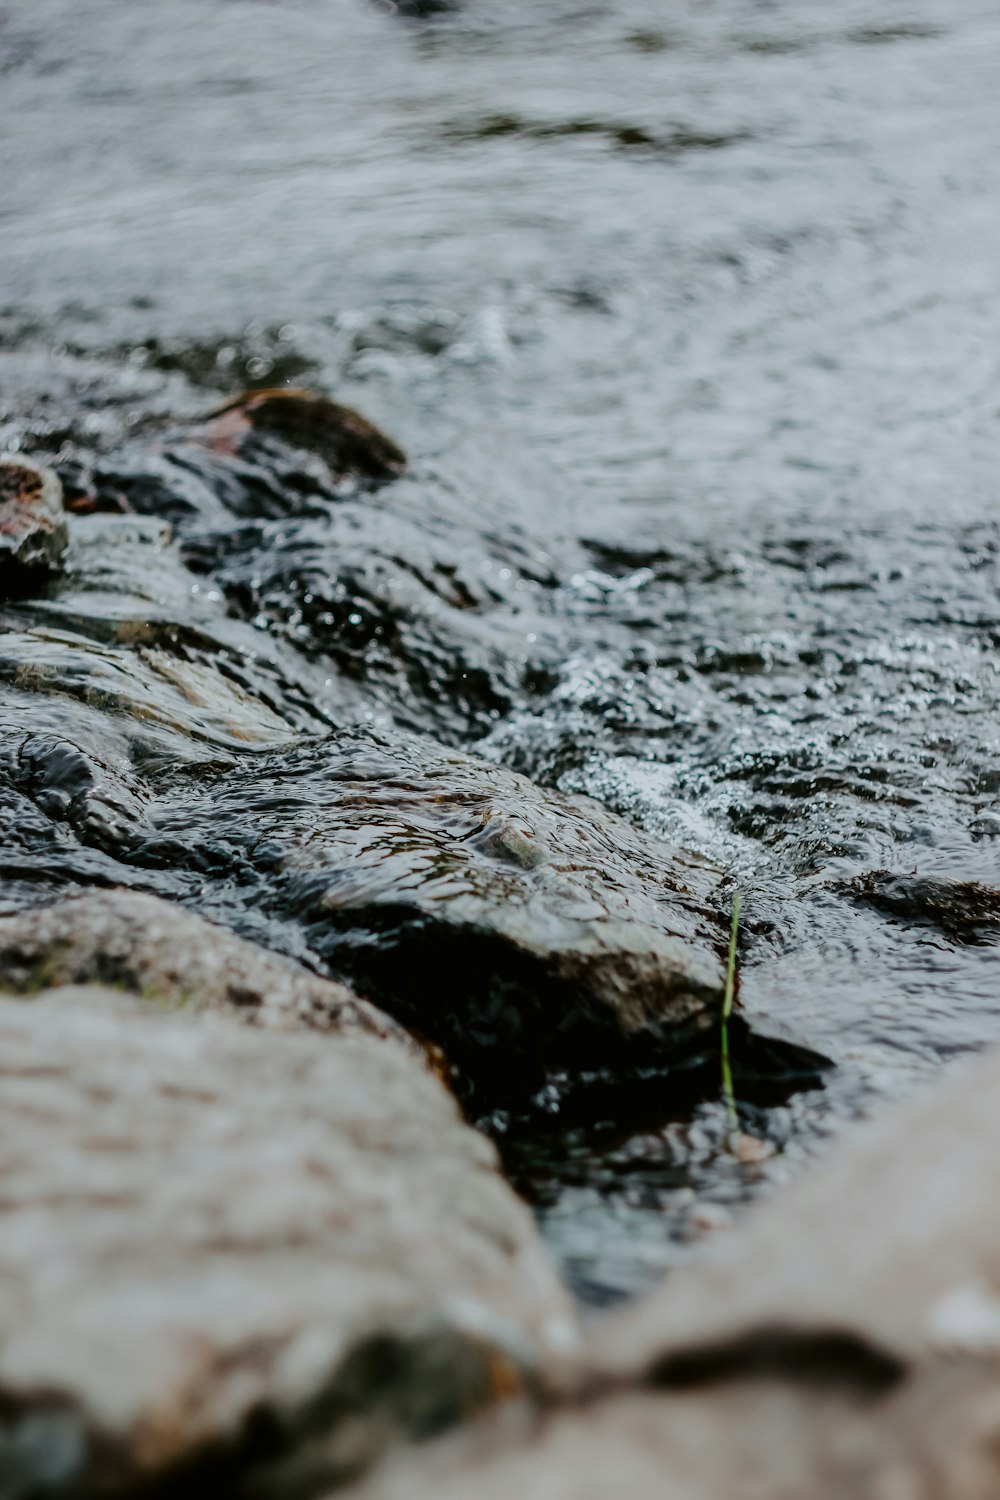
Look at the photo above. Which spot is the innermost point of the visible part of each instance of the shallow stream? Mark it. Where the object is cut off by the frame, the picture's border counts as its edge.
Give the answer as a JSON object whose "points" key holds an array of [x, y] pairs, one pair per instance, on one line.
{"points": [[688, 318]]}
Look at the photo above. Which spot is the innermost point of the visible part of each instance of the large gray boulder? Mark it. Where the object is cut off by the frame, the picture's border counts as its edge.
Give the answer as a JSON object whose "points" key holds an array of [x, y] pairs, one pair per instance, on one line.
{"points": [[226, 1250]]}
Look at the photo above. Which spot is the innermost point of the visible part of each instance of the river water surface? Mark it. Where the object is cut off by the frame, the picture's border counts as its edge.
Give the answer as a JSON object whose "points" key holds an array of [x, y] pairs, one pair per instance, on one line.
{"points": [[719, 282]]}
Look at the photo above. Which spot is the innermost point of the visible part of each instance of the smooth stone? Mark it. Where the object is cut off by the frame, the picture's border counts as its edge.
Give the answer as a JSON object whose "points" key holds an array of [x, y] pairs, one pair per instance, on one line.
{"points": [[228, 1253], [936, 1438]]}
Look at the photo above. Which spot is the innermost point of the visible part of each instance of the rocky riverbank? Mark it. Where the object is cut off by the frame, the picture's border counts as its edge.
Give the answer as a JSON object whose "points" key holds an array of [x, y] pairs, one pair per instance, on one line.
{"points": [[483, 486], [249, 1247]]}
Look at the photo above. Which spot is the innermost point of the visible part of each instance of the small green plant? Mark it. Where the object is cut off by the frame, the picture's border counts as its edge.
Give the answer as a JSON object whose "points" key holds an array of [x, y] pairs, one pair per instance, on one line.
{"points": [[727, 1010]]}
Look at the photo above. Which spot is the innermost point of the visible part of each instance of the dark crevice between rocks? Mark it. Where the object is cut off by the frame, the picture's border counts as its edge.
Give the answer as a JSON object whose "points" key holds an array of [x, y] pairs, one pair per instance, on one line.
{"points": [[819, 1357], [570, 1143]]}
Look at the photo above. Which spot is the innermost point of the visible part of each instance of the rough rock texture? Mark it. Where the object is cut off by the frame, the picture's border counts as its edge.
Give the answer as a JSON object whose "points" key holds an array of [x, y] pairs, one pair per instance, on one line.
{"points": [[32, 521], [180, 694], [437, 592], [220, 1247], [156, 949], [845, 1341], [152, 735]]}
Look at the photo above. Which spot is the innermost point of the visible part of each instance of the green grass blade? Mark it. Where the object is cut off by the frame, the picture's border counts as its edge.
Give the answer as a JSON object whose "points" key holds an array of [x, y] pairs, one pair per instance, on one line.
{"points": [[727, 1010]]}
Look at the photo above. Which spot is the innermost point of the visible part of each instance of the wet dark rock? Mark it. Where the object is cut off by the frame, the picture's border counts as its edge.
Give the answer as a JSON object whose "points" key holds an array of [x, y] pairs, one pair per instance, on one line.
{"points": [[173, 958], [531, 935], [130, 630], [435, 595], [986, 824], [181, 696], [32, 524], [966, 911], [265, 453], [535, 937], [232, 1260]]}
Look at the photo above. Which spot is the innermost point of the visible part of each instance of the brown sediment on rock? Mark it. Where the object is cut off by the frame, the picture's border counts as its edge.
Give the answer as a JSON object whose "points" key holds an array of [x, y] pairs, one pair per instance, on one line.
{"points": [[345, 441], [33, 532]]}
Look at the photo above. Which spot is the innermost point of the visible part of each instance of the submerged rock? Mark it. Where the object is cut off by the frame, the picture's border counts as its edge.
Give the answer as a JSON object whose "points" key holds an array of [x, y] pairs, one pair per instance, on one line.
{"points": [[224, 1253], [177, 745], [345, 441], [966, 911], [32, 523], [174, 958], [434, 594]]}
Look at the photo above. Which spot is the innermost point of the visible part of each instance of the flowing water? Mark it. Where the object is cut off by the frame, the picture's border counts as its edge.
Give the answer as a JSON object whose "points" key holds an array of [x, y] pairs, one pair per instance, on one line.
{"points": [[688, 317]]}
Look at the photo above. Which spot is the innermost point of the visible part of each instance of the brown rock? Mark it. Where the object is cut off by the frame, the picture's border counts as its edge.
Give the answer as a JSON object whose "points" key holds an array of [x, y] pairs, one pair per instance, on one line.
{"points": [[345, 441], [966, 911], [33, 533]]}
